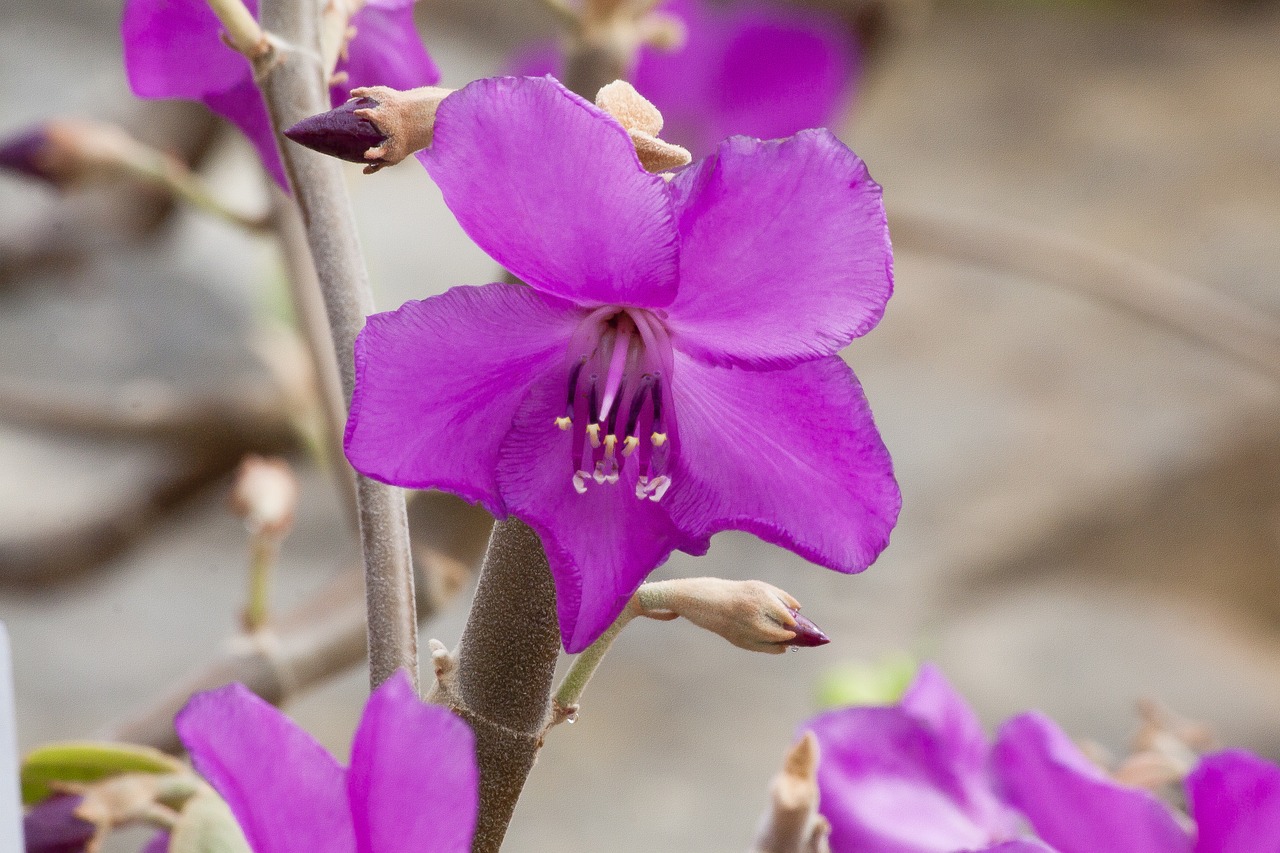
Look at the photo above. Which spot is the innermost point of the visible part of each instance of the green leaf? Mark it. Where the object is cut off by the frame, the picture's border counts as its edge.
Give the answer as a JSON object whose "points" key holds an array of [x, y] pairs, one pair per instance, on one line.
{"points": [[879, 683], [88, 762], [206, 825]]}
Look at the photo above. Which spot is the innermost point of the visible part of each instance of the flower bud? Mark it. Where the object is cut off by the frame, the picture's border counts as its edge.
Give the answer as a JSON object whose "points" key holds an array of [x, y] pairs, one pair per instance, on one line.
{"points": [[340, 132], [69, 151], [54, 827], [265, 495], [643, 123], [22, 153], [751, 615]]}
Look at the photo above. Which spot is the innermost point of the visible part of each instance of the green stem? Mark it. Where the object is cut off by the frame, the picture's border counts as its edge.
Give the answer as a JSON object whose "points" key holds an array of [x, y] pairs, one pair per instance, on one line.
{"points": [[264, 547], [584, 665]]}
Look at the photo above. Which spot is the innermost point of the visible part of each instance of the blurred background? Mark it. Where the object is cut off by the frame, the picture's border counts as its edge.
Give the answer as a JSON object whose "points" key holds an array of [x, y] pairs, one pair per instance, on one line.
{"points": [[1091, 502]]}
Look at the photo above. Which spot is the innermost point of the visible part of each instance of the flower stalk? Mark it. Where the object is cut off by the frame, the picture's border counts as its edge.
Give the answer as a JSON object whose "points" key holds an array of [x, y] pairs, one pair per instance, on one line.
{"points": [[293, 86], [242, 31], [505, 663]]}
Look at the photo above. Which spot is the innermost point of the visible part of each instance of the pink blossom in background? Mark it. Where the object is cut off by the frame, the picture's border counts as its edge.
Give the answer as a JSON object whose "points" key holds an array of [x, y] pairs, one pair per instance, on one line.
{"points": [[671, 369], [412, 786], [752, 68], [173, 49], [922, 777]]}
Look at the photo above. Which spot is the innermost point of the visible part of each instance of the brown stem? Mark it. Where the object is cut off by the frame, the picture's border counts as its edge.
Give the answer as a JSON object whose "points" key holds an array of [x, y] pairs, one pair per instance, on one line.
{"points": [[294, 87], [505, 664], [1180, 304]]}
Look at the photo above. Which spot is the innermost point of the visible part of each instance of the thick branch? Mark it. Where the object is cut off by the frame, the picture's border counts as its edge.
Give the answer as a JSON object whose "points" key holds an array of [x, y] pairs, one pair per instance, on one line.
{"points": [[505, 664], [294, 87], [1185, 306]]}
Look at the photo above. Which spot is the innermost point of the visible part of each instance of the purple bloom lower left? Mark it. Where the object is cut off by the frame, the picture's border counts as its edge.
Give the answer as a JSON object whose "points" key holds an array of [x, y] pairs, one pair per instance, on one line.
{"points": [[412, 786]]}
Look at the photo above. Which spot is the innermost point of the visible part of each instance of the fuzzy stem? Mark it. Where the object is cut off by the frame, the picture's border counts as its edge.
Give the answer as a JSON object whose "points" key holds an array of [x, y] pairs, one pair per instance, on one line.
{"points": [[294, 87], [1187, 307], [505, 664]]}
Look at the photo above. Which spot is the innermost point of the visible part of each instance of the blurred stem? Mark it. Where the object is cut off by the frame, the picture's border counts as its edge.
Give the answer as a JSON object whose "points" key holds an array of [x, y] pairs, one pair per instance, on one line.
{"points": [[263, 548], [313, 325], [1185, 306], [171, 173], [294, 87], [242, 29]]}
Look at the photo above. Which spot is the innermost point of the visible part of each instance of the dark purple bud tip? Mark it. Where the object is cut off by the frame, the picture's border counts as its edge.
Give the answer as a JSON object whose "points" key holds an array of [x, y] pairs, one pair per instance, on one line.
{"points": [[340, 132], [53, 827], [22, 153], [807, 633]]}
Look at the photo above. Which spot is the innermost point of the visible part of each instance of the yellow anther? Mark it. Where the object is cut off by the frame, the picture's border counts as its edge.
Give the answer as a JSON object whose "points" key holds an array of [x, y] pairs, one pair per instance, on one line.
{"points": [[564, 423], [658, 439], [610, 442], [629, 446], [593, 434]]}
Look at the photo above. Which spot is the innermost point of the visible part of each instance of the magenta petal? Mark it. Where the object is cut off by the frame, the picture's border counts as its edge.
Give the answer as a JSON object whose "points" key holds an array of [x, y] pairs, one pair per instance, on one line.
{"points": [[287, 792], [1071, 803], [439, 381], [243, 106], [159, 843], [1234, 797], [932, 700], [550, 187], [600, 544], [785, 251], [1021, 846], [888, 784], [172, 49], [783, 69], [790, 455], [413, 783], [387, 51]]}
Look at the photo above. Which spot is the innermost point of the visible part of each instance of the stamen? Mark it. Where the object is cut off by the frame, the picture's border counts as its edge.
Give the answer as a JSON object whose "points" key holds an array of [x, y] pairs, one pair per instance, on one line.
{"points": [[610, 441], [564, 422], [658, 487], [580, 482], [658, 439], [629, 446], [593, 434]]}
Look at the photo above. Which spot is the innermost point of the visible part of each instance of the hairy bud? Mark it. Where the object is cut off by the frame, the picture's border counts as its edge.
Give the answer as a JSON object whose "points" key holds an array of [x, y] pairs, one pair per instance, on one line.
{"points": [[342, 132], [265, 495], [751, 615]]}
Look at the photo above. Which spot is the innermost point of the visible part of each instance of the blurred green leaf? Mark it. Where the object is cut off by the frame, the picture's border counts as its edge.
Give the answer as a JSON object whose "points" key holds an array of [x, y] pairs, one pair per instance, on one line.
{"points": [[206, 825], [861, 683], [87, 762]]}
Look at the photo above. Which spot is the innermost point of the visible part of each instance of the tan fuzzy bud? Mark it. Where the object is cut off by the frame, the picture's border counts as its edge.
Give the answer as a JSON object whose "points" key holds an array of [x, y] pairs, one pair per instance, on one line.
{"points": [[265, 495], [752, 615], [792, 823], [643, 122], [407, 119]]}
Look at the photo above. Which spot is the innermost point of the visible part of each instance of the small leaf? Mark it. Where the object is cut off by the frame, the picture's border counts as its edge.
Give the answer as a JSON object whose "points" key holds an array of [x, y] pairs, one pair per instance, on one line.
{"points": [[206, 825], [87, 762], [879, 683]]}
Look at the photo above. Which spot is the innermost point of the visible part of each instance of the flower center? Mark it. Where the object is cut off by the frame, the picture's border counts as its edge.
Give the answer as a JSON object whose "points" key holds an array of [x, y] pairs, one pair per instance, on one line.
{"points": [[618, 404]]}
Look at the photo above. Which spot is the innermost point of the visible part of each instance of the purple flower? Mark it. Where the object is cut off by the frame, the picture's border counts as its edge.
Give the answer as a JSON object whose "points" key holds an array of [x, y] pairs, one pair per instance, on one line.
{"points": [[921, 777], [671, 370], [174, 49], [411, 788], [758, 69]]}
